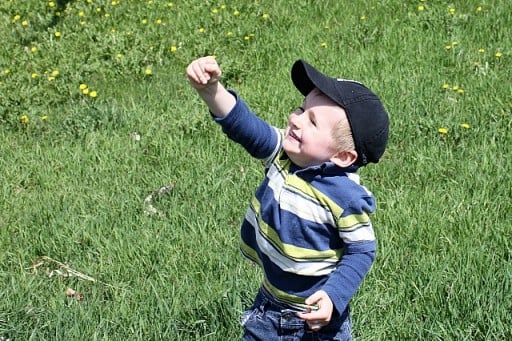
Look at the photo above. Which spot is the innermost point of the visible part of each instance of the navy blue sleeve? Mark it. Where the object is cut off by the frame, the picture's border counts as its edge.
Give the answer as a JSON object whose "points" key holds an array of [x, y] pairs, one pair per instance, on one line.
{"points": [[242, 126], [346, 279]]}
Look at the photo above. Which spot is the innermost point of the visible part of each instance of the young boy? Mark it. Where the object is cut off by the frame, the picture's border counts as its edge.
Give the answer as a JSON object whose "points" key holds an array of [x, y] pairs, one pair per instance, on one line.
{"points": [[307, 225]]}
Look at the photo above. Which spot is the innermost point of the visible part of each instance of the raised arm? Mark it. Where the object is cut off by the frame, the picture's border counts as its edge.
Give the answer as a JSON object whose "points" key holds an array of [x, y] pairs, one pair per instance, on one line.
{"points": [[204, 75]]}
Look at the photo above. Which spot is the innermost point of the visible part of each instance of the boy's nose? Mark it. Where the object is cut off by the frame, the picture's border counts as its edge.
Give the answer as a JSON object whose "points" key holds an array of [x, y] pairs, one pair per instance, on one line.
{"points": [[293, 120]]}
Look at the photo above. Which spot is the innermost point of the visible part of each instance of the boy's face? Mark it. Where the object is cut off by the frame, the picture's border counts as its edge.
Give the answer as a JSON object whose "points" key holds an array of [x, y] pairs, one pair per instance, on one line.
{"points": [[309, 136]]}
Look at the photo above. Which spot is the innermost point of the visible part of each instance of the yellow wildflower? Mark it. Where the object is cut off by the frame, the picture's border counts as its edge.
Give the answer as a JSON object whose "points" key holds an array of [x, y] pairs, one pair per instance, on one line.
{"points": [[83, 86], [443, 131], [498, 54], [236, 12], [24, 23], [173, 49], [34, 75], [265, 16], [421, 8], [85, 91], [324, 44], [51, 4], [465, 125], [58, 34], [93, 94], [148, 72], [24, 119]]}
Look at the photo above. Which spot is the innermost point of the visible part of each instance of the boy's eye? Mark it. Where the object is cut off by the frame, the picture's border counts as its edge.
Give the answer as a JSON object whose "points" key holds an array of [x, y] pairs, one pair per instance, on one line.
{"points": [[301, 109]]}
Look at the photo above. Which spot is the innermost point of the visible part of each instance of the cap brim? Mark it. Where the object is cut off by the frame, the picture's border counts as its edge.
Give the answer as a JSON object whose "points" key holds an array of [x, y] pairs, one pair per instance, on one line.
{"points": [[305, 78]]}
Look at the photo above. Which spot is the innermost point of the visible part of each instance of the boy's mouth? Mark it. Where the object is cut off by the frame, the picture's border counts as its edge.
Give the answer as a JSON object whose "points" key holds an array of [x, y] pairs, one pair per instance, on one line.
{"points": [[293, 135]]}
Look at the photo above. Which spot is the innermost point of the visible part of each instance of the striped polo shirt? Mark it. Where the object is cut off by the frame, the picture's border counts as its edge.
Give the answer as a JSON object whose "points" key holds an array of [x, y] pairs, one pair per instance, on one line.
{"points": [[308, 228]]}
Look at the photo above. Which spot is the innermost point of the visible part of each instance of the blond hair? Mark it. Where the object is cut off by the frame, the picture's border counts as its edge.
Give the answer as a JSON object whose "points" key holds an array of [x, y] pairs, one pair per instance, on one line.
{"points": [[342, 135]]}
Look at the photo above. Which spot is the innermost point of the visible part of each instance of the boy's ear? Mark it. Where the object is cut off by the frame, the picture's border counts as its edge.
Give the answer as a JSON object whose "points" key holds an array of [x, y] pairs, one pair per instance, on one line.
{"points": [[344, 158]]}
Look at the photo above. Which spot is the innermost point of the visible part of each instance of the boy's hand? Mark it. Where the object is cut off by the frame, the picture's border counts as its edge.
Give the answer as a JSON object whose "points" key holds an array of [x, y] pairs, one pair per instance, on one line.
{"points": [[203, 72], [318, 318]]}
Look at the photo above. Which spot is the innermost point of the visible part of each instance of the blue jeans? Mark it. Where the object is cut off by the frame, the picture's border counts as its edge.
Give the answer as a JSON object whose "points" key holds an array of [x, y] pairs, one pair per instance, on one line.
{"points": [[269, 320]]}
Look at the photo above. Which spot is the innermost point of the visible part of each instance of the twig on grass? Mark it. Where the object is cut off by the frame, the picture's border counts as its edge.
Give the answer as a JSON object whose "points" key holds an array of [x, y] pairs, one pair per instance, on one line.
{"points": [[148, 202], [66, 271]]}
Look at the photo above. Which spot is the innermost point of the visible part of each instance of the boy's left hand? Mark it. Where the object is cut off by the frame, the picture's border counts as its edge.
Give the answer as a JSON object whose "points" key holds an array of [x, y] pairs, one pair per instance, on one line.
{"points": [[317, 319]]}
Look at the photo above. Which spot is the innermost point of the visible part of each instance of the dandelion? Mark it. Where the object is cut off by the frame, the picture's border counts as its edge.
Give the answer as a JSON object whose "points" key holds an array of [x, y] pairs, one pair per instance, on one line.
{"points": [[173, 49], [158, 21], [229, 34], [446, 86], [460, 91], [265, 16], [81, 14], [421, 8], [215, 11], [44, 118], [51, 79], [24, 23], [455, 43], [6, 71], [236, 12], [247, 38], [51, 4], [443, 131], [481, 50], [24, 119], [83, 86], [170, 4], [119, 56], [16, 18], [465, 125], [222, 6], [57, 14], [498, 55], [85, 91], [33, 49], [448, 47], [34, 75], [55, 73], [324, 44], [148, 72], [455, 87], [144, 21], [363, 17], [98, 9], [93, 94], [479, 9], [201, 30], [58, 34]]}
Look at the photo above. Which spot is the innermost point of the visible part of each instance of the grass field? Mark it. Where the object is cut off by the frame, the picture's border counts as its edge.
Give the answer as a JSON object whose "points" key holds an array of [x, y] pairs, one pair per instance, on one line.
{"points": [[96, 114]]}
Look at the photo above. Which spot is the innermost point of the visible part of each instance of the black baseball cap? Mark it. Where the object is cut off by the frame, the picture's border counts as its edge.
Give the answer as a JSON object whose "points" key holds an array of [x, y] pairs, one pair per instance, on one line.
{"points": [[366, 115]]}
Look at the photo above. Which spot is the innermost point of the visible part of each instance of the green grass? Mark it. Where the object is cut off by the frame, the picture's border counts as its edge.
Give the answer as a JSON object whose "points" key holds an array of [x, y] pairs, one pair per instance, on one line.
{"points": [[73, 177]]}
